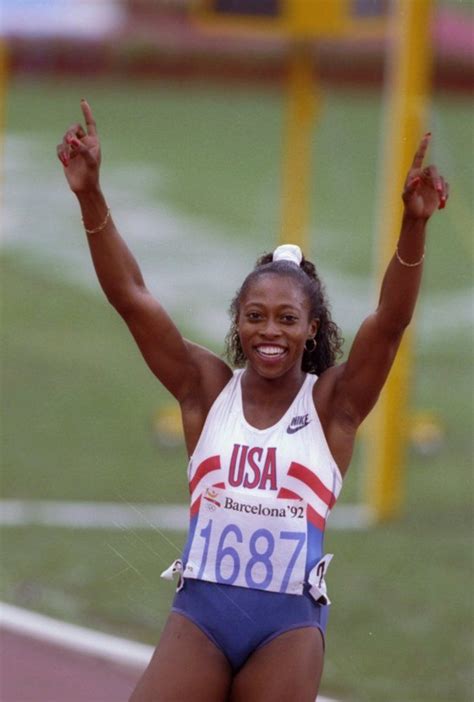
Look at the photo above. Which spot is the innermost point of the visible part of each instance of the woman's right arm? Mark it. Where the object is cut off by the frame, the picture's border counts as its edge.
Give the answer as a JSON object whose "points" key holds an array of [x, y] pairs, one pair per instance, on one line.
{"points": [[185, 369]]}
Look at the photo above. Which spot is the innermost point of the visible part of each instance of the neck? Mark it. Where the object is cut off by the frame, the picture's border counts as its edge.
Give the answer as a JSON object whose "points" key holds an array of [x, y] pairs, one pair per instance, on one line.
{"points": [[258, 386]]}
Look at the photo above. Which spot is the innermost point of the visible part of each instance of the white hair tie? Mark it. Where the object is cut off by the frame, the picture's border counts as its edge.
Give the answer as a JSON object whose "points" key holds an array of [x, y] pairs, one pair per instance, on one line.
{"points": [[288, 252]]}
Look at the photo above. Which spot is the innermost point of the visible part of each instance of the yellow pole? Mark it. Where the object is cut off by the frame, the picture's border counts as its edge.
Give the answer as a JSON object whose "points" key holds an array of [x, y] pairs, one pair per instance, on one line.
{"points": [[301, 111], [404, 124]]}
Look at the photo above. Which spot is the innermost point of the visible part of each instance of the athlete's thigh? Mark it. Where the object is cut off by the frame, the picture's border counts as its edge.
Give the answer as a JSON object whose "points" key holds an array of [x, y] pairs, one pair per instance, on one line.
{"points": [[288, 668], [185, 666]]}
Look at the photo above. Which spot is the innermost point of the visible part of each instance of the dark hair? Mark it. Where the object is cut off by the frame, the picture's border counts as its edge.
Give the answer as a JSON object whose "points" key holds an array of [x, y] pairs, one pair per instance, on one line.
{"points": [[328, 337]]}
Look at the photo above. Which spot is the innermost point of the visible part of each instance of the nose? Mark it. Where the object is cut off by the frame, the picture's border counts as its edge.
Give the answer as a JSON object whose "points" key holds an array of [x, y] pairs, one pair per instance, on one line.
{"points": [[271, 329]]}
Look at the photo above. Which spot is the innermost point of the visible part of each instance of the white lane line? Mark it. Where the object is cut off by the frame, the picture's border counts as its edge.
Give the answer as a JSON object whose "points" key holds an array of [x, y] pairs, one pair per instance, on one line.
{"points": [[118, 515], [79, 638], [93, 515]]}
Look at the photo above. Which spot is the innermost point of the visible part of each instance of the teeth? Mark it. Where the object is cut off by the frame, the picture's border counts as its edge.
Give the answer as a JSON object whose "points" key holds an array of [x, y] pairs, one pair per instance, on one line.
{"points": [[271, 350]]}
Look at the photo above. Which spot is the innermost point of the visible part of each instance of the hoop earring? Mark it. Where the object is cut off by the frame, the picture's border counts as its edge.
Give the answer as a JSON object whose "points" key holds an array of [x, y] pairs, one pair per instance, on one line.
{"points": [[311, 349]]}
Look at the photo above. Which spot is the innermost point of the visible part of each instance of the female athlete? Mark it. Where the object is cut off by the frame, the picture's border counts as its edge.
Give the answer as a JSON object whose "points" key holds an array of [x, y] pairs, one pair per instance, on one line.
{"points": [[269, 444]]}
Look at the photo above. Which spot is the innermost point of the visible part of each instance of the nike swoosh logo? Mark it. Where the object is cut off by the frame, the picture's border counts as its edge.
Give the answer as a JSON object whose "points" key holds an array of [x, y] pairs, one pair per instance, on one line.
{"points": [[293, 430]]}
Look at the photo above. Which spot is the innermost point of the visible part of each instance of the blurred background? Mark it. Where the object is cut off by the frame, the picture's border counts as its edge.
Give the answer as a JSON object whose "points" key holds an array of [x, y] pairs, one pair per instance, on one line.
{"points": [[193, 107]]}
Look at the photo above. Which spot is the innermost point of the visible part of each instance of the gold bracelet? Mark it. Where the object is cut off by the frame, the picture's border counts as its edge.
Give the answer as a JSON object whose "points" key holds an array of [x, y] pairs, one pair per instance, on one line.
{"points": [[405, 263], [100, 227]]}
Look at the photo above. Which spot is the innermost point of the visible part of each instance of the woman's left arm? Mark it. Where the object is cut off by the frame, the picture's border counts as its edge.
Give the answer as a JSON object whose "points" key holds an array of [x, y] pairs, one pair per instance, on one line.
{"points": [[361, 378]]}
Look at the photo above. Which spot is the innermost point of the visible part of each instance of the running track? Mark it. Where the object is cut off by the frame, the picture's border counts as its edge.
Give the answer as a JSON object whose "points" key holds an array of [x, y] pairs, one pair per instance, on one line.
{"points": [[44, 660], [35, 671]]}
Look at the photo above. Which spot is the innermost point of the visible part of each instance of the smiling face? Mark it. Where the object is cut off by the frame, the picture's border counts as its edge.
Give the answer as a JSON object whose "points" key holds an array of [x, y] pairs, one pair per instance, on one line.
{"points": [[274, 324]]}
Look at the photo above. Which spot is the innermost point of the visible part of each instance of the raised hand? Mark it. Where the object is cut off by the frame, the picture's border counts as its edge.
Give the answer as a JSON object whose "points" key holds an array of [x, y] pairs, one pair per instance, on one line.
{"points": [[425, 189], [79, 152]]}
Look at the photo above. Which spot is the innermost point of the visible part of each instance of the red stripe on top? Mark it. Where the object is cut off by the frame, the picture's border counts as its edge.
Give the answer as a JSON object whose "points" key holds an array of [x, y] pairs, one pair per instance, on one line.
{"points": [[207, 466], [313, 482], [315, 518], [286, 494]]}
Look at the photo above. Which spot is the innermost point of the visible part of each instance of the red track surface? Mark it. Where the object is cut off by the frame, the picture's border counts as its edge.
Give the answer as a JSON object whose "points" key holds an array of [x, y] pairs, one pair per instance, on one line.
{"points": [[35, 671]]}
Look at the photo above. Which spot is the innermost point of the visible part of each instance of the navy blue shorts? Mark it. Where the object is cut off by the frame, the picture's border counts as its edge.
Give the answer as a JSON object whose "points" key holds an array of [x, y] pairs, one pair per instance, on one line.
{"points": [[240, 620]]}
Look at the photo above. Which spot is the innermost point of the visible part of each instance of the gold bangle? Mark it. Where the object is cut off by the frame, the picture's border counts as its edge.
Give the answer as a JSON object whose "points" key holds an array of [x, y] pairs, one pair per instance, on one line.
{"points": [[405, 263], [100, 227]]}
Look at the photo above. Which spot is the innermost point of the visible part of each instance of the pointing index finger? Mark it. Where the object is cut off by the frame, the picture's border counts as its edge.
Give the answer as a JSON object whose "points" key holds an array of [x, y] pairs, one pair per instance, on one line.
{"points": [[89, 119], [421, 151]]}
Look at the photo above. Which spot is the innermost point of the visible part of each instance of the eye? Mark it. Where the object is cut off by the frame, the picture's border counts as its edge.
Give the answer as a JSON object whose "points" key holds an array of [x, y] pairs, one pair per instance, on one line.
{"points": [[289, 318], [254, 316]]}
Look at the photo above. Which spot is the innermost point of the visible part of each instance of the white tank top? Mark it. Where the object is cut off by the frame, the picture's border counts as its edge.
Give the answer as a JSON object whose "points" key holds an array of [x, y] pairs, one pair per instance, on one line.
{"points": [[292, 456], [260, 498]]}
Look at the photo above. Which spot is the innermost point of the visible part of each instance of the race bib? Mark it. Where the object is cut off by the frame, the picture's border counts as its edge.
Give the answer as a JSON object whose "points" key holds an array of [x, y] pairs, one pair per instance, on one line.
{"points": [[249, 541]]}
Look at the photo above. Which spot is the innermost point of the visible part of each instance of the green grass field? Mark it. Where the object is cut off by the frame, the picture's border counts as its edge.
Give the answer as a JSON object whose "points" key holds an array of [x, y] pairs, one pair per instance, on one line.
{"points": [[193, 179]]}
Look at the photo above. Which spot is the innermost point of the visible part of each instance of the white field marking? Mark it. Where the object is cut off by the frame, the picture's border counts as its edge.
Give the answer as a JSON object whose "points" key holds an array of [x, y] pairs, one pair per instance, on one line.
{"points": [[79, 638], [116, 515], [185, 260], [75, 637], [94, 515]]}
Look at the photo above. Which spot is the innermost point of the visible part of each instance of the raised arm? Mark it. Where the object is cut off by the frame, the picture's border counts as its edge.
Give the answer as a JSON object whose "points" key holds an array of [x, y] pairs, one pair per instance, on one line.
{"points": [[359, 381], [191, 373]]}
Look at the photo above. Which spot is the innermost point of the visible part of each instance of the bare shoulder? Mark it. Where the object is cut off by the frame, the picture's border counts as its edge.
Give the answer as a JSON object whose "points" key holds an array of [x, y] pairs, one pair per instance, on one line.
{"points": [[335, 416], [213, 372], [326, 389], [330, 395]]}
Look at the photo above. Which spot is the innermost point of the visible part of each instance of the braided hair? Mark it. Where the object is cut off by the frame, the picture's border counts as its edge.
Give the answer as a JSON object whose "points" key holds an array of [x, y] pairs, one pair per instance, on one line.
{"points": [[328, 337]]}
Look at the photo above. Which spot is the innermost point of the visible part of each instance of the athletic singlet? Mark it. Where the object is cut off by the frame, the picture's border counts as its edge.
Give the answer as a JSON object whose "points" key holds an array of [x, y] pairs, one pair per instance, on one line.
{"points": [[260, 498]]}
